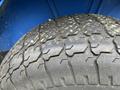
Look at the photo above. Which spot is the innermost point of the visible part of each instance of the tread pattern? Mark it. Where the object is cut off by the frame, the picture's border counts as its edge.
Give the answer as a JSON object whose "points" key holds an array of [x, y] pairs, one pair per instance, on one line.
{"points": [[77, 50]]}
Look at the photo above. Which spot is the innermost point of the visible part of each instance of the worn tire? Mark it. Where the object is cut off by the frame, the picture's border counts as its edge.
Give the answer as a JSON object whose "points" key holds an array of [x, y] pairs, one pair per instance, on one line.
{"points": [[1, 58], [77, 52], [2, 55]]}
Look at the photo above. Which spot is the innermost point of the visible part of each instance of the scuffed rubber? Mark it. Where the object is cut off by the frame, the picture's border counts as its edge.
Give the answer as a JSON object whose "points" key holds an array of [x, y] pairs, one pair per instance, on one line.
{"points": [[77, 52]]}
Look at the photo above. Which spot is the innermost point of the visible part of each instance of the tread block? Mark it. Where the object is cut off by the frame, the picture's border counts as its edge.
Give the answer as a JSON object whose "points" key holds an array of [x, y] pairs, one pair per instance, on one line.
{"points": [[48, 31], [112, 26], [13, 64], [17, 78], [102, 44], [7, 83], [68, 26], [62, 70], [92, 27], [75, 45], [51, 49], [95, 40], [84, 68], [38, 74], [31, 54], [109, 69]]}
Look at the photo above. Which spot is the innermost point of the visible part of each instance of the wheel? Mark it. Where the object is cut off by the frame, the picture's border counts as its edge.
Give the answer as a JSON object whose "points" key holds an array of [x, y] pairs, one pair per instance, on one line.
{"points": [[77, 52]]}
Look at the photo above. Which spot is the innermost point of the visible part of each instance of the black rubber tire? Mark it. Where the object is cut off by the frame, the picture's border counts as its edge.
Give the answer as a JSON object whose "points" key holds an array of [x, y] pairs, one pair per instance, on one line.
{"points": [[77, 52]]}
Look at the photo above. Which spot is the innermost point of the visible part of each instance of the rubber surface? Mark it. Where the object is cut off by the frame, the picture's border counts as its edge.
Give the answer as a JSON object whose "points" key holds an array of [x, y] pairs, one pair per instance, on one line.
{"points": [[1, 58], [78, 52], [2, 55]]}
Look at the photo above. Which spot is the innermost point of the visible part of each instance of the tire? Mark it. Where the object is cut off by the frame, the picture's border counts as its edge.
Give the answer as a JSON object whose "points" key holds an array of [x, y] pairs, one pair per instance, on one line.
{"points": [[2, 55], [1, 58], [77, 52]]}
